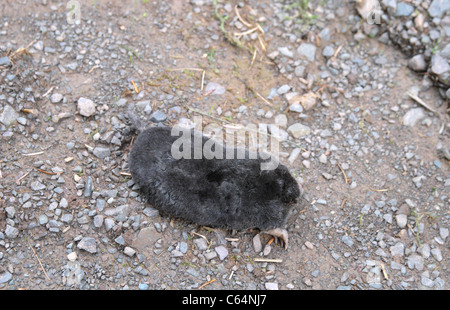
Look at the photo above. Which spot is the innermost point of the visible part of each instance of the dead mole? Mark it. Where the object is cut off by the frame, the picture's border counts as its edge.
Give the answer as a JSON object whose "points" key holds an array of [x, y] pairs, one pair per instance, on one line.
{"points": [[222, 193]]}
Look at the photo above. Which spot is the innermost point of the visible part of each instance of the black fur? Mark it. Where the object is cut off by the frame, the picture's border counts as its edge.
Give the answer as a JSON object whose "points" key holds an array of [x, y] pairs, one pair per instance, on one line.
{"points": [[225, 193]]}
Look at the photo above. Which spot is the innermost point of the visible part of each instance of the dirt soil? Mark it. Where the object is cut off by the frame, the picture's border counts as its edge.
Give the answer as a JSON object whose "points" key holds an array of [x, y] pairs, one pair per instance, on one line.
{"points": [[64, 179]]}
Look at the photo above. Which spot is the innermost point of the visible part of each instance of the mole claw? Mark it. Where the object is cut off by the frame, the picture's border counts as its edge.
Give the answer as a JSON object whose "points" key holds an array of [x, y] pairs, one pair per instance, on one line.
{"points": [[279, 233]]}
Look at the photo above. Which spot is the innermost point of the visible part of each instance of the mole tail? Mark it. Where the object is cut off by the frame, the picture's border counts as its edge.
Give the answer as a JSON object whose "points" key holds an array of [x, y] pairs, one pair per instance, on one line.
{"points": [[136, 123]]}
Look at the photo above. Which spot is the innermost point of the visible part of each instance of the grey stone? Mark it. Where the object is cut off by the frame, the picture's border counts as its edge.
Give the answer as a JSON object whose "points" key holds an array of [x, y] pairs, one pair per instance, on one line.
{"points": [[299, 71], [67, 218], [388, 218], [326, 133], [39, 45], [73, 274], [438, 7], [365, 8], [283, 89], [415, 261], [129, 251], [323, 158], [296, 107], [37, 186], [89, 184], [381, 252], [391, 6], [413, 116], [112, 193], [257, 245], [150, 212], [119, 213], [397, 249], [402, 220], [222, 252], [43, 219], [8, 116], [86, 107], [109, 224], [11, 232], [88, 244], [443, 233], [271, 286], [158, 117], [193, 272], [294, 155], [445, 52], [307, 50], [98, 220], [72, 66], [57, 118], [141, 105], [10, 212], [426, 281], [374, 275], [120, 240], [56, 98], [344, 288], [404, 9], [63, 203], [210, 255], [101, 152], [325, 34], [298, 130], [439, 64], [424, 250], [201, 244], [417, 63], [281, 120], [100, 204], [5, 277], [26, 197], [436, 252], [22, 120], [286, 52], [213, 88], [440, 67], [54, 224], [328, 51], [183, 247], [146, 238], [347, 240], [5, 62]]}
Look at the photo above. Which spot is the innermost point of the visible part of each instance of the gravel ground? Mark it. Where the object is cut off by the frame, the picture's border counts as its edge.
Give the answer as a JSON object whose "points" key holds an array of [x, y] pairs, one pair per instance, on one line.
{"points": [[364, 128]]}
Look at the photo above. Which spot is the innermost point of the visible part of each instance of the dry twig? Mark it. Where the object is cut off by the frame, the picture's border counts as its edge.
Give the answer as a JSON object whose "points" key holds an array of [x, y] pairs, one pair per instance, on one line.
{"points": [[421, 102], [384, 271], [20, 179], [135, 87], [46, 172], [268, 260], [40, 263], [343, 172], [48, 92], [204, 284], [33, 154], [240, 17], [343, 203]]}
